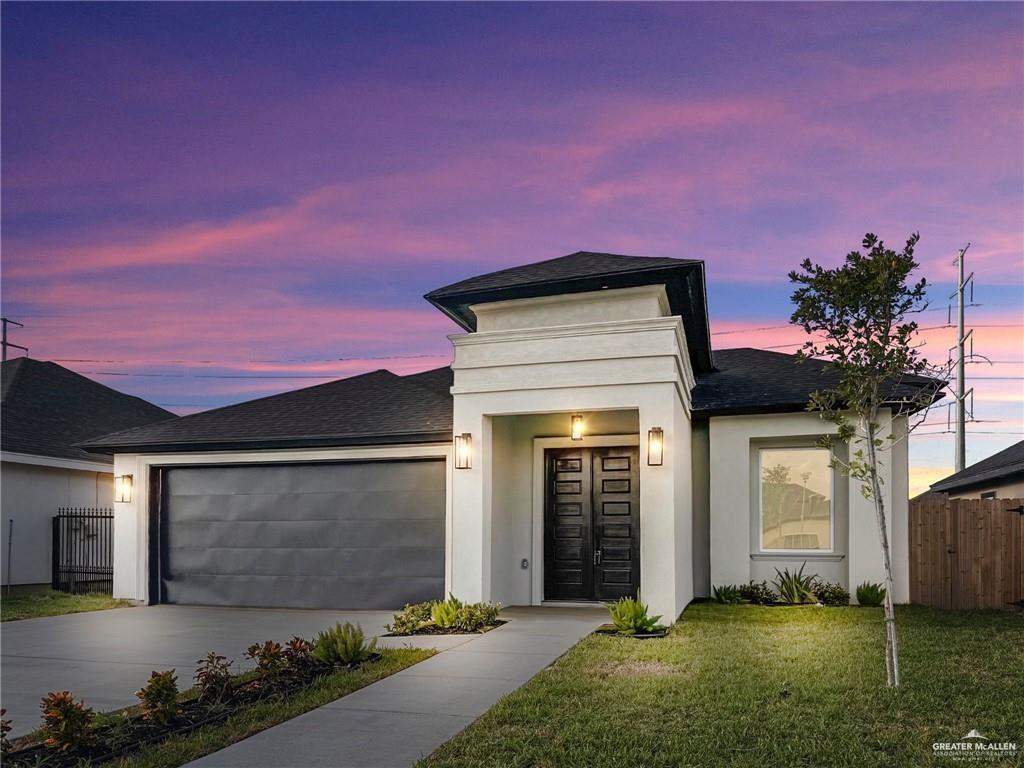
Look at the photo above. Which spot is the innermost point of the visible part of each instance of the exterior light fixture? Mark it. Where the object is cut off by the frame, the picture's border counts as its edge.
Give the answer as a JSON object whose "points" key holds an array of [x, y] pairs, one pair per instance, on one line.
{"points": [[576, 432], [655, 446], [464, 451], [123, 488]]}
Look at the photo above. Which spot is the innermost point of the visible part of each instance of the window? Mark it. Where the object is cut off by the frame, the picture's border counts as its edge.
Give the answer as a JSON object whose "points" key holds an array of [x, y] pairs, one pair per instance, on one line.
{"points": [[796, 499], [988, 495]]}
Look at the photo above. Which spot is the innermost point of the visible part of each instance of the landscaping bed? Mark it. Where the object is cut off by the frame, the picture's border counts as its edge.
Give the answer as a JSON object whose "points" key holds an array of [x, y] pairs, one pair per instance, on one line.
{"points": [[168, 729], [445, 617], [744, 685]]}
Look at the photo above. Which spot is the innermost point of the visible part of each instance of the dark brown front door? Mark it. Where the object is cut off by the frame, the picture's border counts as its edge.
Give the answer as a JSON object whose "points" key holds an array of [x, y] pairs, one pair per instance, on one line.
{"points": [[591, 523]]}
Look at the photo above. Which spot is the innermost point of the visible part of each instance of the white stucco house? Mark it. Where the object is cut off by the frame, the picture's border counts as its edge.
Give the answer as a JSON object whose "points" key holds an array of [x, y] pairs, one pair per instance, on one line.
{"points": [[45, 410], [586, 443]]}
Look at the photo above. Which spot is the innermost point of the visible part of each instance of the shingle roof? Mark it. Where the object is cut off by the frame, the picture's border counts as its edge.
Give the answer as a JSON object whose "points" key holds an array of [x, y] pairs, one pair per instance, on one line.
{"points": [[47, 410], [998, 466], [589, 271], [760, 381], [373, 408]]}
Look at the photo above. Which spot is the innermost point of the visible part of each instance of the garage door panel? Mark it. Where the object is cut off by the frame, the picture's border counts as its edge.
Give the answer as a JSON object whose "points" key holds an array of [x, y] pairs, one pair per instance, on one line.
{"points": [[311, 478], [303, 592], [304, 535], [371, 505]]}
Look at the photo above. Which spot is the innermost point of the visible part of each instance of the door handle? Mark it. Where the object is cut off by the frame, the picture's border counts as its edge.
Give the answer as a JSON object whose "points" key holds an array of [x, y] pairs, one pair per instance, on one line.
{"points": [[597, 557]]}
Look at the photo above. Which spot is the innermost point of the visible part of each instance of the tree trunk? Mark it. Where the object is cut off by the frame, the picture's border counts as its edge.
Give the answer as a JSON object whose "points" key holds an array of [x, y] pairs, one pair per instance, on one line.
{"points": [[892, 659]]}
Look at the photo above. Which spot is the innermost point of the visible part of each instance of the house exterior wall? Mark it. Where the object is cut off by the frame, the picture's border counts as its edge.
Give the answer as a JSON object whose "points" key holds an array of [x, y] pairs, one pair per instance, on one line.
{"points": [[535, 360], [856, 556], [1003, 489], [30, 495], [131, 519], [700, 463]]}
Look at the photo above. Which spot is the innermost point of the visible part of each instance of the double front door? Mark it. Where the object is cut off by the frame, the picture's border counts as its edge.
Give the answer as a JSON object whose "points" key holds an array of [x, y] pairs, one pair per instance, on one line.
{"points": [[591, 523]]}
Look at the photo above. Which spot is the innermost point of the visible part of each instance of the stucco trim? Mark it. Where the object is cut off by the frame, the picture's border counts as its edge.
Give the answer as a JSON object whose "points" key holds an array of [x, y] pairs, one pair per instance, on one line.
{"points": [[53, 461]]}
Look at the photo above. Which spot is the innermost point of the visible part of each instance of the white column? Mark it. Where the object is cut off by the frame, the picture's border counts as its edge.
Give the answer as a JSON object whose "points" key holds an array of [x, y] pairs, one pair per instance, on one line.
{"points": [[471, 511], [131, 532]]}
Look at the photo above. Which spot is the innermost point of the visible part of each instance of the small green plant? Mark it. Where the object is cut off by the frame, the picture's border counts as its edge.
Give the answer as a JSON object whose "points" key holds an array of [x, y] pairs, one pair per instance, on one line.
{"points": [[67, 724], [298, 655], [474, 617], [445, 613], [5, 728], [830, 593], [794, 588], [159, 698], [871, 594], [728, 593], [412, 618], [758, 593], [630, 617], [343, 644], [268, 657], [213, 678]]}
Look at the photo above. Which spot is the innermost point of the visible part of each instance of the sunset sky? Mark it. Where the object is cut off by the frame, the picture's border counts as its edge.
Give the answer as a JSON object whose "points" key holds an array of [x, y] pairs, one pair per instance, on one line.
{"points": [[207, 203]]}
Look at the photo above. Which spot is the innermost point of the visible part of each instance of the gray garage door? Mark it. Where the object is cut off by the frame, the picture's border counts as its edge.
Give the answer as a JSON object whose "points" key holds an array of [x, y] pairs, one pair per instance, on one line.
{"points": [[353, 535]]}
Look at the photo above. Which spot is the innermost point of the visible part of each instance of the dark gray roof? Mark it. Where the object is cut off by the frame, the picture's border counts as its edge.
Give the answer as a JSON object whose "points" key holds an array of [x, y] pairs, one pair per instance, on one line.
{"points": [[589, 271], [47, 410], [371, 409], [747, 381], [999, 466]]}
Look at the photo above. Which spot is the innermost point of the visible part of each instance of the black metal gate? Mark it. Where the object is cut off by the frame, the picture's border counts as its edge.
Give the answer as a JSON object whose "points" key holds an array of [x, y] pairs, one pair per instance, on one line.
{"points": [[83, 550]]}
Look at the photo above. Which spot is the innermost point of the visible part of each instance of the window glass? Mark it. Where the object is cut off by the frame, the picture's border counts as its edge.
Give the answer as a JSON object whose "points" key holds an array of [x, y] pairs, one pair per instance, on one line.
{"points": [[796, 499]]}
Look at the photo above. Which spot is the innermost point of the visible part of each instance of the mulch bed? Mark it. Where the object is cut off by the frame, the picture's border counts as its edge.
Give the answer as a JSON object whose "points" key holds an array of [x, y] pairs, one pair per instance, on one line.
{"points": [[437, 631], [131, 732], [609, 629]]}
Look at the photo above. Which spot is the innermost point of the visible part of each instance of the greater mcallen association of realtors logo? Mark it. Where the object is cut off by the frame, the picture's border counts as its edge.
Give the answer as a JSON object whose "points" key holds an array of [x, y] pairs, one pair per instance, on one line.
{"points": [[974, 746]]}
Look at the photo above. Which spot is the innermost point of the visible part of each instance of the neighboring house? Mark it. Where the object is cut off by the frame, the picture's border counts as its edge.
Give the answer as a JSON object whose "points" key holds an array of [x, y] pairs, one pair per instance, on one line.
{"points": [[585, 444], [1000, 476], [45, 410]]}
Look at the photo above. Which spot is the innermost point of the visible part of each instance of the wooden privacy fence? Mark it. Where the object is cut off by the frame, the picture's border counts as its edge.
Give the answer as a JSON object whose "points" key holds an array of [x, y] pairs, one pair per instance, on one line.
{"points": [[967, 553]]}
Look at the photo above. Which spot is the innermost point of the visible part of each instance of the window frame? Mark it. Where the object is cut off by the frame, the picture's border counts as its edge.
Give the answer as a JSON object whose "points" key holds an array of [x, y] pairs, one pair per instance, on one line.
{"points": [[760, 504]]}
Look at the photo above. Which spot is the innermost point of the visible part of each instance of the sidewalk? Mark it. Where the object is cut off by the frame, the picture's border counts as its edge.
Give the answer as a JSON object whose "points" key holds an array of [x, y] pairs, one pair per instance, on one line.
{"points": [[395, 722]]}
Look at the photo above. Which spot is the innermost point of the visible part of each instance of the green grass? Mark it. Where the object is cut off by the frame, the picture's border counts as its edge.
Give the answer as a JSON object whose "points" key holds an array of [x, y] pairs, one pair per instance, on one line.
{"points": [[752, 686], [34, 605], [183, 749]]}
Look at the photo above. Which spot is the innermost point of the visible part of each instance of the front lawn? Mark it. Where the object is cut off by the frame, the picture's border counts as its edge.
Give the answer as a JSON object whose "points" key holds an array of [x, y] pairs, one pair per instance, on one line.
{"points": [[34, 605], [753, 686]]}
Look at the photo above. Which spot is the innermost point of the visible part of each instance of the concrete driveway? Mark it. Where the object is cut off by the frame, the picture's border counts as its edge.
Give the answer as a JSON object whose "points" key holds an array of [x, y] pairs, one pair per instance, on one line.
{"points": [[103, 657]]}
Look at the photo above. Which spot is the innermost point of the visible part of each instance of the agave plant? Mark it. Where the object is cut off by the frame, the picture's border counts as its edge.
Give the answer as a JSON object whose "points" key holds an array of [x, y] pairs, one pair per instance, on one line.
{"points": [[870, 594], [728, 593], [343, 644], [630, 617], [795, 587], [445, 613]]}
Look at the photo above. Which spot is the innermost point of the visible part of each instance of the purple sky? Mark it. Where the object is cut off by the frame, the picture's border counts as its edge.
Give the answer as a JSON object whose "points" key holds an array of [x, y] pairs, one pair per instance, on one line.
{"points": [[195, 191]]}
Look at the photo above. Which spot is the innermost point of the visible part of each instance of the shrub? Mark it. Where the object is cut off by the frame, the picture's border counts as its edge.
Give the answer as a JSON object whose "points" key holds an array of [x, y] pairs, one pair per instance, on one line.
{"points": [[829, 593], [213, 678], [343, 644], [630, 617], [870, 594], [794, 587], [298, 655], [728, 593], [159, 698], [447, 615], [758, 593], [5, 728], [412, 618], [268, 657], [67, 724]]}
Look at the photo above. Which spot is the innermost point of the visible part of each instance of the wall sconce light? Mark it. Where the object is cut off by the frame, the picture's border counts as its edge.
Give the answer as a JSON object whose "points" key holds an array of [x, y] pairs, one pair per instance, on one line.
{"points": [[464, 451], [123, 488], [655, 446], [576, 429]]}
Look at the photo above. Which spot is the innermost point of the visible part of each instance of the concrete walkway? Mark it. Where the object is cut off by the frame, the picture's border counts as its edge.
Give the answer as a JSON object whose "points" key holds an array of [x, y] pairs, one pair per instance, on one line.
{"points": [[406, 716]]}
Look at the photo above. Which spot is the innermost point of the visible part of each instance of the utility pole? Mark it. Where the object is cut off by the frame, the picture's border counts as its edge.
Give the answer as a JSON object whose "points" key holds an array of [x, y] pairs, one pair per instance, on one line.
{"points": [[7, 343], [961, 356]]}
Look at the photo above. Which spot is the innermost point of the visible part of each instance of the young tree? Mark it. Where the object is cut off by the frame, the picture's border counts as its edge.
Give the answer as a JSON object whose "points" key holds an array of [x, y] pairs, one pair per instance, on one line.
{"points": [[856, 317]]}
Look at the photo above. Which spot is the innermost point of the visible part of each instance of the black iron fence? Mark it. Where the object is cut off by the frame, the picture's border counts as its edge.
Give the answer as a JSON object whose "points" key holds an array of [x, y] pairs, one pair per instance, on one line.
{"points": [[83, 550]]}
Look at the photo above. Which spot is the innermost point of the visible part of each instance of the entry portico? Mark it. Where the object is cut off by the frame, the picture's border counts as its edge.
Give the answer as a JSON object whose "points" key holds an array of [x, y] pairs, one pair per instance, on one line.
{"points": [[618, 357]]}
